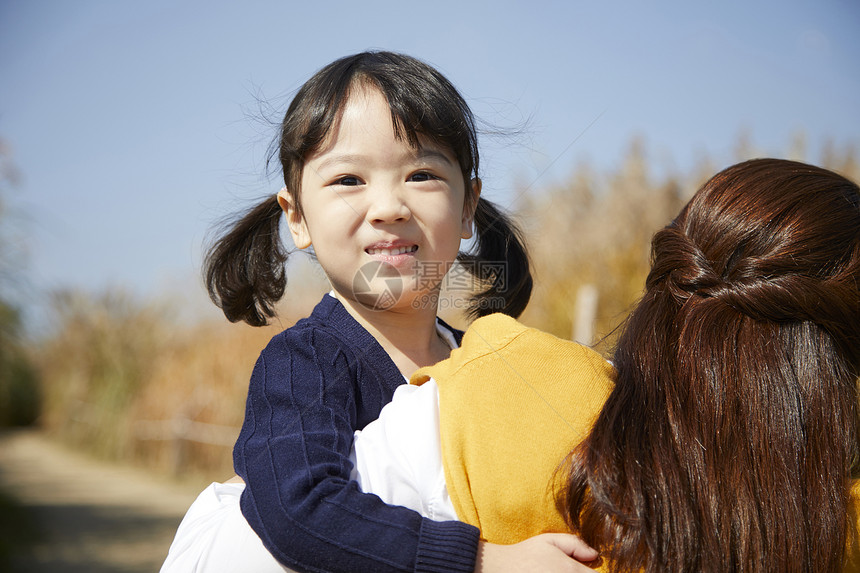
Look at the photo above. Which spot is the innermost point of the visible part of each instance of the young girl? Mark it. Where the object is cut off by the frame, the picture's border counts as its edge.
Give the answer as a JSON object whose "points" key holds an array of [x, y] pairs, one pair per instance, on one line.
{"points": [[379, 155], [729, 441]]}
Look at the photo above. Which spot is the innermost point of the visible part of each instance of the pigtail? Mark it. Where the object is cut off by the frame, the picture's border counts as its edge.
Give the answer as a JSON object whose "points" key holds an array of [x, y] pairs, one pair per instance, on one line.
{"points": [[499, 260], [244, 269]]}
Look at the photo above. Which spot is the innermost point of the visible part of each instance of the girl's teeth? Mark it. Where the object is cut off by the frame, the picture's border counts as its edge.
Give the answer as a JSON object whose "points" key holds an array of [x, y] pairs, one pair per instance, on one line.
{"points": [[391, 252]]}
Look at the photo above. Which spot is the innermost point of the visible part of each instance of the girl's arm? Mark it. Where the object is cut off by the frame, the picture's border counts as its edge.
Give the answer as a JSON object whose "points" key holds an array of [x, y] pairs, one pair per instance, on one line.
{"points": [[398, 458], [214, 537], [308, 393]]}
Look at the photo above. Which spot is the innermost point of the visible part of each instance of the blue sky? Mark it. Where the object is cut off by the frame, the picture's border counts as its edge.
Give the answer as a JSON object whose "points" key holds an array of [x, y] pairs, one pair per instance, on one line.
{"points": [[136, 125]]}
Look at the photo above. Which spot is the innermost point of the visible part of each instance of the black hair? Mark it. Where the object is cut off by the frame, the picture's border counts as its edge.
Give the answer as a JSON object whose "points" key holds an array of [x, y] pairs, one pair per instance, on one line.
{"points": [[244, 269]]}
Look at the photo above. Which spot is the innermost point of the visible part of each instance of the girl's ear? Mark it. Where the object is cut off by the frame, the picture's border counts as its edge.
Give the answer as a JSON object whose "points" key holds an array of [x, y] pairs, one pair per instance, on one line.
{"points": [[469, 207], [295, 220]]}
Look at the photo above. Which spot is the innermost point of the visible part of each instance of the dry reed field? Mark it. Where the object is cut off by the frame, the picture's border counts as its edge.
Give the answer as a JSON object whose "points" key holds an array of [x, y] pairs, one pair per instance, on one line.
{"points": [[129, 381]]}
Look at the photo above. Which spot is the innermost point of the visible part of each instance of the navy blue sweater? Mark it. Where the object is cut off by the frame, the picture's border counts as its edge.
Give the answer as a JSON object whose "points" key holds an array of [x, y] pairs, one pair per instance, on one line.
{"points": [[312, 387]]}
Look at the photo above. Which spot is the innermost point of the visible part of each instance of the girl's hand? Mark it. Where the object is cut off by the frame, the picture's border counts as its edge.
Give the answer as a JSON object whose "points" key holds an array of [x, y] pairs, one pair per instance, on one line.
{"points": [[560, 552]]}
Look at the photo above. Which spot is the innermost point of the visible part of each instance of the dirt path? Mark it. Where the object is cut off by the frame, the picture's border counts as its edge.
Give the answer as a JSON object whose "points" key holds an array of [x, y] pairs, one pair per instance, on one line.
{"points": [[91, 517]]}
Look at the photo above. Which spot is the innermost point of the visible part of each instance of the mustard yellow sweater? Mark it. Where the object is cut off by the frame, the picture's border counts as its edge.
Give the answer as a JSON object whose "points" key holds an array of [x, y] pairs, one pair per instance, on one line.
{"points": [[513, 402]]}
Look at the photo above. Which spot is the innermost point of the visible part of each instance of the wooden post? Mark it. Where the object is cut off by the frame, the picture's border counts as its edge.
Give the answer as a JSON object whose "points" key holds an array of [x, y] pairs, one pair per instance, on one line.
{"points": [[585, 312]]}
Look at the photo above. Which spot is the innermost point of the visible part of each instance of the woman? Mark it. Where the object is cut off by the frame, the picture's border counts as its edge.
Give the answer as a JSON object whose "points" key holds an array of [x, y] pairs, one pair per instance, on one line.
{"points": [[730, 439]]}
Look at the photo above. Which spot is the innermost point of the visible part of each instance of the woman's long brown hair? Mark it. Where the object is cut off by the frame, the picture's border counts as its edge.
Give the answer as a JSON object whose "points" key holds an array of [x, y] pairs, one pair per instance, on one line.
{"points": [[731, 436]]}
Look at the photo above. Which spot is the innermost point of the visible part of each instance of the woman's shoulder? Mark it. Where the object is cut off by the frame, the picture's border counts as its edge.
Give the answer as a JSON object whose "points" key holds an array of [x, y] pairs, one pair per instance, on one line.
{"points": [[498, 338]]}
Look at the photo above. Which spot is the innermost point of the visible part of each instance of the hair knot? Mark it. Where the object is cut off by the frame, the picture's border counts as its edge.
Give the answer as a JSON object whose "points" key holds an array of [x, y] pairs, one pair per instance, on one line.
{"points": [[762, 288], [683, 267]]}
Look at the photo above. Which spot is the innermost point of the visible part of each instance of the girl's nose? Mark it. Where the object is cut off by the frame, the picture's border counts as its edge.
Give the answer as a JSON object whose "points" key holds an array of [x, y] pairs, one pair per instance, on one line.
{"points": [[386, 205]]}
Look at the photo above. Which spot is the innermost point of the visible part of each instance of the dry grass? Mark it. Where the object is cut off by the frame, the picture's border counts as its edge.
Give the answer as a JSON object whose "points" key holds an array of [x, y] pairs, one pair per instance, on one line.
{"points": [[125, 380], [119, 375], [596, 230]]}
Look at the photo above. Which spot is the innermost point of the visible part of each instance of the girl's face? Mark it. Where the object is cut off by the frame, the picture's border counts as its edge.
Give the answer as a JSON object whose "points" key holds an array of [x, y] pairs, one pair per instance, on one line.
{"points": [[385, 220]]}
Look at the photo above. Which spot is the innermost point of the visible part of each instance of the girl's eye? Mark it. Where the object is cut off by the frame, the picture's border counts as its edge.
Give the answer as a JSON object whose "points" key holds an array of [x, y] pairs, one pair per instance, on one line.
{"points": [[348, 181], [422, 176]]}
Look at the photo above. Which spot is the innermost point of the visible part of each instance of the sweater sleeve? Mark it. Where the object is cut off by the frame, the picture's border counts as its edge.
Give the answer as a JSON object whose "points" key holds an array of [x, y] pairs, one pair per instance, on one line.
{"points": [[304, 403]]}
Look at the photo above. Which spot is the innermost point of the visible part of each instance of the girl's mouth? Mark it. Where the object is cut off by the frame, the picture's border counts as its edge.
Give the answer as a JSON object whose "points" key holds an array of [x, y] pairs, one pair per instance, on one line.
{"points": [[391, 251], [399, 256]]}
